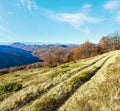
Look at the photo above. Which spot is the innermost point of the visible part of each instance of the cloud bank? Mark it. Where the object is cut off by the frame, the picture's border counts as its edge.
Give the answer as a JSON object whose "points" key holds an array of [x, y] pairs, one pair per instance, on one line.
{"points": [[74, 19], [111, 5]]}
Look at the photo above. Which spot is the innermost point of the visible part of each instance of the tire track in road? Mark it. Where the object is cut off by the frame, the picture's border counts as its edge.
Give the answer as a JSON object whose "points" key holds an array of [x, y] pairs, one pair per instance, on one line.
{"points": [[81, 98], [50, 101], [51, 85], [30, 97], [84, 80]]}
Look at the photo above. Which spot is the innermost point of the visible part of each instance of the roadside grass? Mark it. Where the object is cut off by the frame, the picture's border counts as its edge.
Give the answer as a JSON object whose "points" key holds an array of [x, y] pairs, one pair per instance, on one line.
{"points": [[98, 97], [42, 81], [57, 95], [38, 88]]}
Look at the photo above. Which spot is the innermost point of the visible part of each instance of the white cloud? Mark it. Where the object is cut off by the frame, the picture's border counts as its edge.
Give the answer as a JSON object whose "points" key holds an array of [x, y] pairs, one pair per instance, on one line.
{"points": [[87, 6], [75, 19], [118, 17], [29, 4], [111, 5]]}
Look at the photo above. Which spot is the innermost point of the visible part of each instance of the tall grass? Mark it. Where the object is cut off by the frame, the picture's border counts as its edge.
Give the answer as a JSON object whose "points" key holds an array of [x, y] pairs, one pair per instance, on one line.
{"points": [[56, 96], [48, 88], [98, 95]]}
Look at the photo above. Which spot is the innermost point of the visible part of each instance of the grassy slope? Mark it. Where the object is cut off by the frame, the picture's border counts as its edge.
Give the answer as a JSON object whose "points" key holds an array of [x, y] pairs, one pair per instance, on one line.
{"points": [[101, 93], [65, 88]]}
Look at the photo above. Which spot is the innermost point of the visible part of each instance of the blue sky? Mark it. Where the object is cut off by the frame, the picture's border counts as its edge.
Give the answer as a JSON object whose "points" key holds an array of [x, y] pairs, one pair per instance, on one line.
{"points": [[58, 21]]}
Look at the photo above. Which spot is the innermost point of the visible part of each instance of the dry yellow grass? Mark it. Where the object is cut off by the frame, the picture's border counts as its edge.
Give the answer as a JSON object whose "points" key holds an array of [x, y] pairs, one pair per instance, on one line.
{"points": [[101, 93], [49, 89]]}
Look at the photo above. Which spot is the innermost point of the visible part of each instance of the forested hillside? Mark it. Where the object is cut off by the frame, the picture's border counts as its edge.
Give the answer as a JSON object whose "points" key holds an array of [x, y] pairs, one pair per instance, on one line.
{"points": [[10, 57]]}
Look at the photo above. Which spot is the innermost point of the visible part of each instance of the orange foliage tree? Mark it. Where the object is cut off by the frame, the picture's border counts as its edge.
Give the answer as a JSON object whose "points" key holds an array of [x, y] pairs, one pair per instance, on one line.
{"points": [[85, 50]]}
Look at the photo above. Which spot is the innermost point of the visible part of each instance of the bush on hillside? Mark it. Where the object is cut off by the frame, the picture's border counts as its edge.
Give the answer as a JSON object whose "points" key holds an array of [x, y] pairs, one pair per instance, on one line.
{"points": [[52, 66], [12, 87]]}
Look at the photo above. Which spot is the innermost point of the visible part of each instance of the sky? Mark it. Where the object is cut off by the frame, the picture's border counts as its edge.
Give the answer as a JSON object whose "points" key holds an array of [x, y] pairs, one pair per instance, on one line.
{"points": [[58, 21]]}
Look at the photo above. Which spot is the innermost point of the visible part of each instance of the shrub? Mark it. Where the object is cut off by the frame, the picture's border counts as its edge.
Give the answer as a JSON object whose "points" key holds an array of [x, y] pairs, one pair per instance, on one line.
{"points": [[17, 75], [12, 87], [52, 66], [64, 66]]}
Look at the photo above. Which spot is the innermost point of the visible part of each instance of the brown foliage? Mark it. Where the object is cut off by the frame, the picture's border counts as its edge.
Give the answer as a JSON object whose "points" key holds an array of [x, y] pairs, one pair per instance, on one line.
{"points": [[54, 55], [109, 43], [85, 50]]}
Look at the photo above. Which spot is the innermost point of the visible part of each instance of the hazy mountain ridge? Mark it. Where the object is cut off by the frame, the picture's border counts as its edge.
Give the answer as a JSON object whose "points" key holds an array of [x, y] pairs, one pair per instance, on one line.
{"points": [[10, 56], [35, 46], [50, 53]]}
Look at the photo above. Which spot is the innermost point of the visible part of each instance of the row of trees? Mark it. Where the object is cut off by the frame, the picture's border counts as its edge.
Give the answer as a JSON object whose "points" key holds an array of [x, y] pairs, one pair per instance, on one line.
{"points": [[58, 55], [88, 49], [110, 42]]}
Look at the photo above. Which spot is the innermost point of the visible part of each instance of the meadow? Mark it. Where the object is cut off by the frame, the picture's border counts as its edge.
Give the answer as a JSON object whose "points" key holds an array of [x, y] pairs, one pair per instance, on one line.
{"points": [[91, 84]]}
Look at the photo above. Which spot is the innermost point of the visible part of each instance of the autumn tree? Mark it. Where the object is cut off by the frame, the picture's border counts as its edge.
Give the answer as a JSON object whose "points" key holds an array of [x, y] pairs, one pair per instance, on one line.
{"points": [[55, 55], [109, 43], [103, 45], [85, 50]]}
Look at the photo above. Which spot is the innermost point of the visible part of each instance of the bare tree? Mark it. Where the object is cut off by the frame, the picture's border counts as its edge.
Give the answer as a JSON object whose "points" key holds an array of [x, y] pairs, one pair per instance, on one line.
{"points": [[110, 42]]}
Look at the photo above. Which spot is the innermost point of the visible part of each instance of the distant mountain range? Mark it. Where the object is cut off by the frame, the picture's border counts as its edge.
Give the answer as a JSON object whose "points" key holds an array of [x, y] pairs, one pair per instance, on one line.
{"points": [[36, 43], [10, 56], [32, 43], [17, 53], [50, 53]]}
